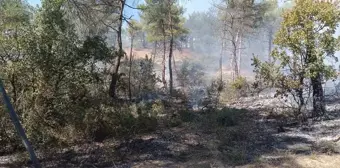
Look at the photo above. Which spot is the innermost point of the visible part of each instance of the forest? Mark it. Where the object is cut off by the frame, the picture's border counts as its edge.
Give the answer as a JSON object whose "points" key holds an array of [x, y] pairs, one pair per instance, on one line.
{"points": [[245, 83]]}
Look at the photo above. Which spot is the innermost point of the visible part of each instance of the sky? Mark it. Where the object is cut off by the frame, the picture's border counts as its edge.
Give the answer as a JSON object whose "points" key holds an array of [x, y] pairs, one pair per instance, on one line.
{"points": [[34, 2], [189, 5]]}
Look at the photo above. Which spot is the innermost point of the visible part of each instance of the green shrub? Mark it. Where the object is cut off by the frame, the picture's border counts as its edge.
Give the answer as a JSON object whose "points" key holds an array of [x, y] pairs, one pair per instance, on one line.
{"points": [[119, 122], [172, 121], [190, 74], [153, 109], [186, 116], [236, 134], [235, 156], [157, 108], [239, 83], [125, 124], [146, 123], [229, 116], [241, 86], [131, 123]]}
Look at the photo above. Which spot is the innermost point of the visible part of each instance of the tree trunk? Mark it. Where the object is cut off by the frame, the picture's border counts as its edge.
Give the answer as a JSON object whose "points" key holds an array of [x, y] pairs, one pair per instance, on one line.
{"points": [[154, 52], [221, 59], [299, 92], [171, 46], [14, 89], [234, 65], [115, 74], [175, 67], [143, 40], [170, 64], [130, 66], [270, 43], [318, 96], [163, 62], [239, 58], [223, 50], [221, 67], [316, 80]]}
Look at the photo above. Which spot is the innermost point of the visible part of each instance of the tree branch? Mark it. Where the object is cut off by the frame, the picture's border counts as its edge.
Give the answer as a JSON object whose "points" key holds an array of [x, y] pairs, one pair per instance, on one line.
{"points": [[127, 20], [132, 7]]}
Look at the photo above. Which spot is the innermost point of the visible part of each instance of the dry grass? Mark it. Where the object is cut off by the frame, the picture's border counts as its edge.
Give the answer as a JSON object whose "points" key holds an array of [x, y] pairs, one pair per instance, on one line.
{"points": [[140, 53], [288, 161], [319, 161], [299, 161], [180, 56]]}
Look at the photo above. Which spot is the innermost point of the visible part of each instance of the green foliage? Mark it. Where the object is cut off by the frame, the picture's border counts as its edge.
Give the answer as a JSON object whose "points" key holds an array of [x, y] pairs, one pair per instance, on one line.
{"points": [[229, 117], [242, 15], [233, 90], [316, 34], [214, 91], [203, 28], [225, 118], [52, 77], [146, 75], [174, 121], [240, 85], [304, 40], [272, 14], [125, 121], [95, 48], [157, 108], [191, 74], [235, 156], [14, 13], [191, 78], [187, 116], [146, 123], [134, 28], [143, 78], [162, 19]]}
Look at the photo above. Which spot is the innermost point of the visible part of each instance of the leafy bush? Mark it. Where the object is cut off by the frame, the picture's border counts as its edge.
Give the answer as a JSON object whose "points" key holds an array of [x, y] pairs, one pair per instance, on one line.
{"points": [[146, 123], [173, 121], [229, 116], [186, 116], [157, 108], [239, 83], [236, 134], [241, 86], [191, 80], [143, 78], [214, 91], [120, 122], [235, 156], [190, 74]]}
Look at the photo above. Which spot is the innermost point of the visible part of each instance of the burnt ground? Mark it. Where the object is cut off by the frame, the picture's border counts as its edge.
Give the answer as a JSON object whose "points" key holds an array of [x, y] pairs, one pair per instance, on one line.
{"points": [[253, 141]]}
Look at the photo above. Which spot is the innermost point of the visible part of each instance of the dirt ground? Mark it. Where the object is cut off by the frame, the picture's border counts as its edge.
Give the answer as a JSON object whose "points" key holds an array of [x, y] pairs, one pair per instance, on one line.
{"points": [[254, 142]]}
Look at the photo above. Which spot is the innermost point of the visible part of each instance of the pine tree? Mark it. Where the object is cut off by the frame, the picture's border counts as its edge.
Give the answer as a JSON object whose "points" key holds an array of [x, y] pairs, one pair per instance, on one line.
{"points": [[164, 22], [239, 18], [133, 30]]}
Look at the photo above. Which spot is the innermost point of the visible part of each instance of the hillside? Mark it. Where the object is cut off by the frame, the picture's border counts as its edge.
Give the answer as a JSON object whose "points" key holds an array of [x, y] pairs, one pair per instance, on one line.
{"points": [[209, 62]]}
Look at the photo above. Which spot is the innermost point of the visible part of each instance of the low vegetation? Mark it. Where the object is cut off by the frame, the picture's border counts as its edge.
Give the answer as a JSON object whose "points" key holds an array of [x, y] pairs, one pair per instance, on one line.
{"points": [[91, 103]]}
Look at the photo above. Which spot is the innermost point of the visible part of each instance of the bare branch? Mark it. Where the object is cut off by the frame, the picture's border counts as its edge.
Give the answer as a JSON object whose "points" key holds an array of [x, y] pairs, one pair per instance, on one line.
{"points": [[133, 7], [109, 26]]}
